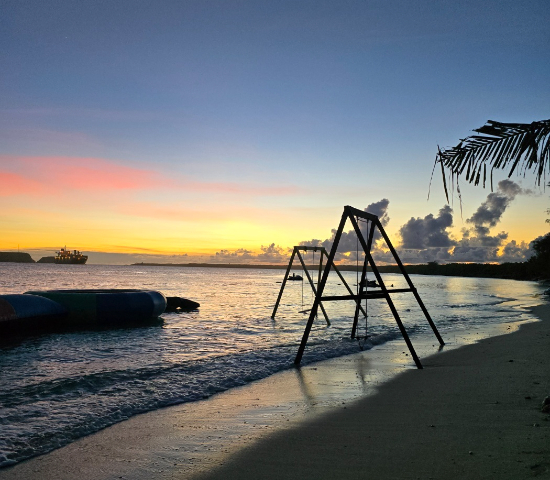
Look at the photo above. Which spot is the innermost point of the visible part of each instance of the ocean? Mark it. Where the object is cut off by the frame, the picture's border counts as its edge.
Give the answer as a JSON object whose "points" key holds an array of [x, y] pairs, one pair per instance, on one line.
{"points": [[57, 387]]}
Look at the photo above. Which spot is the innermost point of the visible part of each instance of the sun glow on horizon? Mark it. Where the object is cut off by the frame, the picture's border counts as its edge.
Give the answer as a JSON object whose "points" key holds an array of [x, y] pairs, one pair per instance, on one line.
{"points": [[100, 205]]}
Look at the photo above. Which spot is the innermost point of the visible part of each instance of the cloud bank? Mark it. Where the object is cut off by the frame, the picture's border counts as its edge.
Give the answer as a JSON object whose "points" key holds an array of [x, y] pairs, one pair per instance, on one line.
{"points": [[421, 239], [429, 238]]}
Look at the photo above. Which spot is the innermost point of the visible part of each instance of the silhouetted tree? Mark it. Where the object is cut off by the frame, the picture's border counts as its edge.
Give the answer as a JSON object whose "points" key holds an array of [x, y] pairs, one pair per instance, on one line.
{"points": [[541, 246], [540, 261], [499, 146]]}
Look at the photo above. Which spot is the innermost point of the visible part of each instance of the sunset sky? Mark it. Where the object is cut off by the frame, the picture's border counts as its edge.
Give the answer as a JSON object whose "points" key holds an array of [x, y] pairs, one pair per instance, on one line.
{"points": [[217, 131]]}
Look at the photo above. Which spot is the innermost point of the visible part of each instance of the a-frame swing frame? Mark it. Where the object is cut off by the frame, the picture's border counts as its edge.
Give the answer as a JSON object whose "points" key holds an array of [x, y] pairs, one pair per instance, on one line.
{"points": [[353, 214], [323, 254]]}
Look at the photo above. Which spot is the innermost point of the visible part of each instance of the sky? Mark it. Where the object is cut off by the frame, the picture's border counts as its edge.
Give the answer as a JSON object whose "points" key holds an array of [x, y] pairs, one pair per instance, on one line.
{"points": [[229, 131]]}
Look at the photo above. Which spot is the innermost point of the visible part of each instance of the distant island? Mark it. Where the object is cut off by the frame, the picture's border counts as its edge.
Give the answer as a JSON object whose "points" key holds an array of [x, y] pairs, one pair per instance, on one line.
{"points": [[513, 271], [17, 257], [21, 257]]}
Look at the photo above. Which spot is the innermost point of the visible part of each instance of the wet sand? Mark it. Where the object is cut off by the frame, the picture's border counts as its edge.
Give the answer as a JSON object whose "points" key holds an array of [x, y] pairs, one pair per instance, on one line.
{"points": [[472, 412]]}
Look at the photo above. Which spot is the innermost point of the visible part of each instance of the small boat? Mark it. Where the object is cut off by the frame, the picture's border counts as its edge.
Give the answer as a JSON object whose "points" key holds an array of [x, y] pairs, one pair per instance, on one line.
{"points": [[295, 277], [370, 283], [65, 256]]}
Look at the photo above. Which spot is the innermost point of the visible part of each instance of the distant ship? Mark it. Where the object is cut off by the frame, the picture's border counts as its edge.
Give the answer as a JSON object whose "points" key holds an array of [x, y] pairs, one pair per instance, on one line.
{"points": [[66, 256]]}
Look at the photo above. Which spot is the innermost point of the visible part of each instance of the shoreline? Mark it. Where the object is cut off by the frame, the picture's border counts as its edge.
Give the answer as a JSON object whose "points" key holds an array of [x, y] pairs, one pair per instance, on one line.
{"points": [[521, 271], [524, 271], [194, 439], [473, 412]]}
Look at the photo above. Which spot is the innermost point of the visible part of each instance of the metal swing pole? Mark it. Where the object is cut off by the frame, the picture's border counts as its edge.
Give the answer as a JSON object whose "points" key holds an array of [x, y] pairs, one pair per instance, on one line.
{"points": [[283, 284], [321, 288], [320, 266], [312, 286], [362, 283], [359, 295], [412, 287]]}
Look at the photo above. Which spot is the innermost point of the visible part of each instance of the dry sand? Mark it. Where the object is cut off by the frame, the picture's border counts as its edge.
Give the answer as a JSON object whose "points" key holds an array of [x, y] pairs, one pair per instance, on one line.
{"points": [[472, 412]]}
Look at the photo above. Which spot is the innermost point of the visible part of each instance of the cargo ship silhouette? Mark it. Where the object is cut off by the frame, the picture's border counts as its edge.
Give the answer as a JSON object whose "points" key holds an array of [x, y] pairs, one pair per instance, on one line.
{"points": [[74, 257]]}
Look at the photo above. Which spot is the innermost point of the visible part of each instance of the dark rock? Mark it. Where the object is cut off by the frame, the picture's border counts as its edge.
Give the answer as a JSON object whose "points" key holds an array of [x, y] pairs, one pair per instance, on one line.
{"points": [[175, 304]]}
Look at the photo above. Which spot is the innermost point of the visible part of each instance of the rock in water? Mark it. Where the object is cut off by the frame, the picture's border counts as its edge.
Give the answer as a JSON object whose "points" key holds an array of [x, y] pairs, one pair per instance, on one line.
{"points": [[174, 304]]}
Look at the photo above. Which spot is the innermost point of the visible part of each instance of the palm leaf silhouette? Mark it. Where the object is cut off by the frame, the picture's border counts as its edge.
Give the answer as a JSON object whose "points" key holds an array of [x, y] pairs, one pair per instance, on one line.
{"points": [[504, 146]]}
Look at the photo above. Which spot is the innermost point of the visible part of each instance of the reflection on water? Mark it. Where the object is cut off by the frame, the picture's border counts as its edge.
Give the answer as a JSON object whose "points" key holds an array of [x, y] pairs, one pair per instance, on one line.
{"points": [[60, 386]]}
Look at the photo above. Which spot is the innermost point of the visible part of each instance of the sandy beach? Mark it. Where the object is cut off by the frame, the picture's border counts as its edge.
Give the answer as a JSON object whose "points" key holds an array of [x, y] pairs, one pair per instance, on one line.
{"points": [[472, 412]]}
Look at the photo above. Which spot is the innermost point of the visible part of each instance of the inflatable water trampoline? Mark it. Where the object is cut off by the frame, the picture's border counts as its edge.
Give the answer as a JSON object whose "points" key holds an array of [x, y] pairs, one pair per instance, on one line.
{"points": [[20, 312], [106, 307]]}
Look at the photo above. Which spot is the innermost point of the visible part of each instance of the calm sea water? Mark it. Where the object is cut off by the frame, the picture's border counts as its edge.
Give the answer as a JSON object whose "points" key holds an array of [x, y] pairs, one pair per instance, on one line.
{"points": [[55, 388]]}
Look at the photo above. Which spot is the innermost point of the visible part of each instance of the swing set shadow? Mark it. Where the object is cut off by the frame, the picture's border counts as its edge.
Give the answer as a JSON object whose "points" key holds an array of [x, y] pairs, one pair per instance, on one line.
{"points": [[382, 292]]}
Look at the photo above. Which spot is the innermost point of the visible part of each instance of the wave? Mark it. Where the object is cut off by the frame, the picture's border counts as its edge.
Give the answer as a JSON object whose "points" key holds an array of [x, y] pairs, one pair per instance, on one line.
{"points": [[69, 408]]}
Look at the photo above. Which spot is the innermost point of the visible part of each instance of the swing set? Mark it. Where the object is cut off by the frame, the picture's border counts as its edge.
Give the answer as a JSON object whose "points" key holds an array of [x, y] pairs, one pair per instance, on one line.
{"points": [[296, 253], [362, 293]]}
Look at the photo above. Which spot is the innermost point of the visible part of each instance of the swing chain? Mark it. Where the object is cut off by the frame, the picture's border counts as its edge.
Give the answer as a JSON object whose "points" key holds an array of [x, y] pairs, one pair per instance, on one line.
{"points": [[363, 282]]}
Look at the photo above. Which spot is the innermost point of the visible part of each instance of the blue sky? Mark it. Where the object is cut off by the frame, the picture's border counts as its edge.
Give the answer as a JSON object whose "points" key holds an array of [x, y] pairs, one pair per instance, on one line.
{"points": [[278, 113]]}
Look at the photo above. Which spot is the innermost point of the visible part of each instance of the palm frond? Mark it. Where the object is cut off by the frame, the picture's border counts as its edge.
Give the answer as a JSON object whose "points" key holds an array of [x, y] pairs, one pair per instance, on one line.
{"points": [[501, 146]]}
